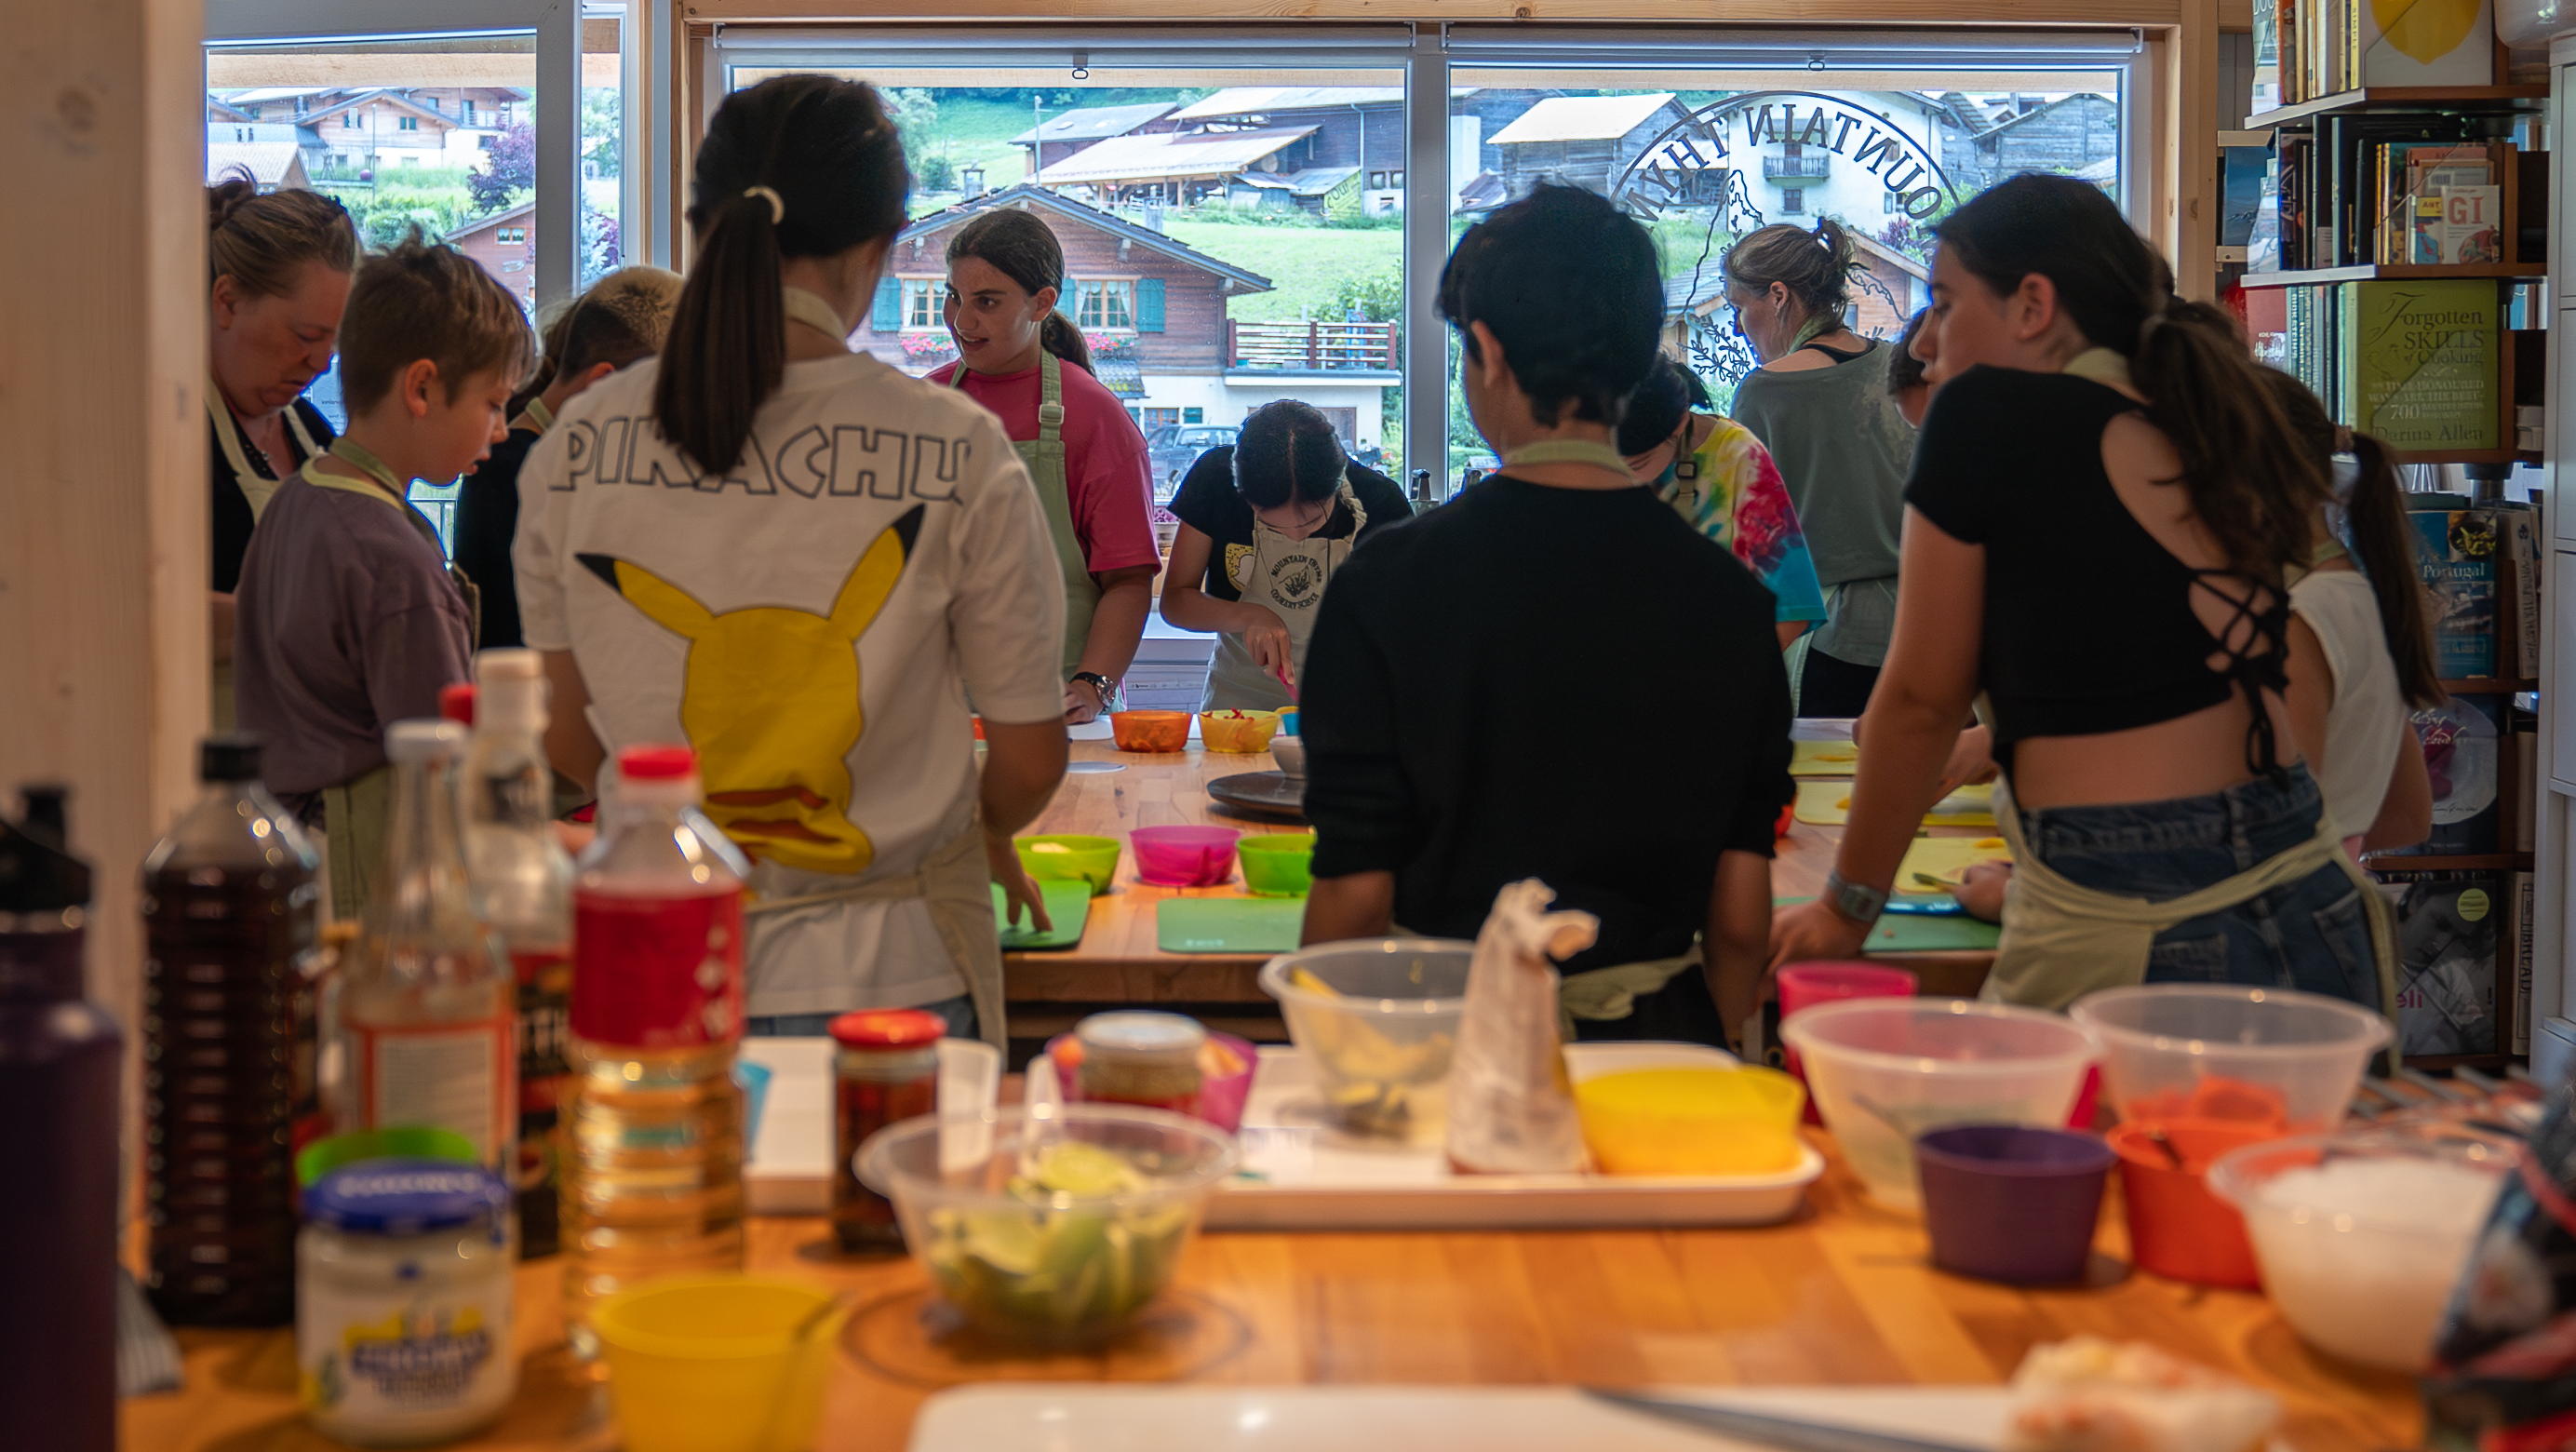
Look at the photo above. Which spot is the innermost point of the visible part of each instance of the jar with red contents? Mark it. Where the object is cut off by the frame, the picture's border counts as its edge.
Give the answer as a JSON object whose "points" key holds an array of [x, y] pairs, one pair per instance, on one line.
{"points": [[886, 1070]]}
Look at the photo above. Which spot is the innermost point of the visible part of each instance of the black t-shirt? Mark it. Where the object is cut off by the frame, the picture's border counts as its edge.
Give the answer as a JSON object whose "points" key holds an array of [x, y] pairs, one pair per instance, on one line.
{"points": [[230, 517], [487, 519], [1479, 696], [1207, 503], [2088, 619]]}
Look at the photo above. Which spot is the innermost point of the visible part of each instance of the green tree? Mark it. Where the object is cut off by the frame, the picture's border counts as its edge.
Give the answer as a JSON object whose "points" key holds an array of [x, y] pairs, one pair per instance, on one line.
{"points": [[602, 130], [935, 173], [914, 111], [1378, 295]]}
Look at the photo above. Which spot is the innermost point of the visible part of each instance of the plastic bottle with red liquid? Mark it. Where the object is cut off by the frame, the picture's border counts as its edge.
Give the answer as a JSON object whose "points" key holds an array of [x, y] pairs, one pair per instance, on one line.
{"points": [[652, 1139], [523, 878]]}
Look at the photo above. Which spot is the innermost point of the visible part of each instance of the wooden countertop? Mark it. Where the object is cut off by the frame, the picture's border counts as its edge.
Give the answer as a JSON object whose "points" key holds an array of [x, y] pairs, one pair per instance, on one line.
{"points": [[1840, 1295]]}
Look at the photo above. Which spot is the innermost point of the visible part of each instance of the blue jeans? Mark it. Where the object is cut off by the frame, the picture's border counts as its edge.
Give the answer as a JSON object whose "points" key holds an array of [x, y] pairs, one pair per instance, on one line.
{"points": [[2312, 934], [958, 1013]]}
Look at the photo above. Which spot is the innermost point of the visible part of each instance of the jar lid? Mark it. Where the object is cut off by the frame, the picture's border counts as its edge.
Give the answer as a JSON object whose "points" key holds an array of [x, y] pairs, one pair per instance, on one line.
{"points": [[1142, 1038], [889, 1028], [406, 1197]]}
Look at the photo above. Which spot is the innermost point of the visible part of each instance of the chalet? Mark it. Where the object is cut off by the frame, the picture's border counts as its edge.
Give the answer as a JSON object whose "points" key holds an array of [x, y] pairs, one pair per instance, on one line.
{"points": [[1179, 167], [504, 244], [1585, 141], [1985, 140], [347, 132], [1154, 311], [271, 165], [1057, 137]]}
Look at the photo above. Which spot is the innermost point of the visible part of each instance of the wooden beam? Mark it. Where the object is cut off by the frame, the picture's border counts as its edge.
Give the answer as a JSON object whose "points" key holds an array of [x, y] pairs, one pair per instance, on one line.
{"points": [[103, 499], [2194, 132], [1766, 12]]}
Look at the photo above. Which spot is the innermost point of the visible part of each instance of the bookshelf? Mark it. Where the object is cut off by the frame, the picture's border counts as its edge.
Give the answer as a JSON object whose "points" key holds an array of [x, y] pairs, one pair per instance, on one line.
{"points": [[2401, 98], [2397, 272]]}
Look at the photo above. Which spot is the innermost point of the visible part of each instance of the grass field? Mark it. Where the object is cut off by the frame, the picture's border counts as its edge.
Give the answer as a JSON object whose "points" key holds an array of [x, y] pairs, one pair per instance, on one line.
{"points": [[1305, 265]]}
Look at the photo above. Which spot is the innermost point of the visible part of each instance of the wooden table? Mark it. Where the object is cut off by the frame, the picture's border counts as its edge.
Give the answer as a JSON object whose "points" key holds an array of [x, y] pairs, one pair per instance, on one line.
{"points": [[1118, 962], [1841, 1295]]}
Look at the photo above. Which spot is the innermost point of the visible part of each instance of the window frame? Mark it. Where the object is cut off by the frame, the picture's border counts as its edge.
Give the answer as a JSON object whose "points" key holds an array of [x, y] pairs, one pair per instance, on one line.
{"points": [[1085, 289]]}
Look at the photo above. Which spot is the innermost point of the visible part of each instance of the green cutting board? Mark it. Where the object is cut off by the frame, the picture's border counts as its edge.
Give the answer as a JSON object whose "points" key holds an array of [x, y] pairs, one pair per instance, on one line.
{"points": [[1068, 906], [1911, 933], [1228, 924]]}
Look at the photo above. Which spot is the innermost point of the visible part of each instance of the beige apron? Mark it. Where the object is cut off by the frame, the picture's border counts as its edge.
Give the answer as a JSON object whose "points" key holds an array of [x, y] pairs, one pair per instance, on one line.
{"points": [[255, 487], [1287, 577], [956, 884], [358, 813], [1044, 456]]}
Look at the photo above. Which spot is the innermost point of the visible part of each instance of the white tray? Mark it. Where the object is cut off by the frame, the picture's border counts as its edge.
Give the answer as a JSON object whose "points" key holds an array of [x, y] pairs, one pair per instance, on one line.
{"points": [[1077, 1418], [1314, 1178], [790, 1170]]}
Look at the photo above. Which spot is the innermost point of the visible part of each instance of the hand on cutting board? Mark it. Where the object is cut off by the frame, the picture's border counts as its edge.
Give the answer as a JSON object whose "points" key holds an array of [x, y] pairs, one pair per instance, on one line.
{"points": [[1981, 889], [1806, 931], [1018, 892]]}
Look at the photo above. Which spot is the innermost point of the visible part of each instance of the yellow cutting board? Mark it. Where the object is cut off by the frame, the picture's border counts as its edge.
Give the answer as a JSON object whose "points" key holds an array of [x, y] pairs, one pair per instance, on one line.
{"points": [[1945, 858], [1828, 804], [1823, 758]]}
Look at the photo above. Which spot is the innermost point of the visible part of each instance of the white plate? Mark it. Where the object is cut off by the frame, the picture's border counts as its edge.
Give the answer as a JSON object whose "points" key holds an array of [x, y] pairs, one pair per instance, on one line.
{"points": [[1077, 1418]]}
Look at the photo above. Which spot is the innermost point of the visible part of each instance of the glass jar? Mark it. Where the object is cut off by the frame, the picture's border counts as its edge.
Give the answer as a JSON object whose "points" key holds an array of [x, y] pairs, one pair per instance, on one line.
{"points": [[1141, 1058], [402, 1314], [886, 1070]]}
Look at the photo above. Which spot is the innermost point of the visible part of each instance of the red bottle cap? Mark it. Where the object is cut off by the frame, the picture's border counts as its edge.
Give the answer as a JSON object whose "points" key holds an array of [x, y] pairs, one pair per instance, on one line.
{"points": [[456, 703], [656, 763], [888, 1028]]}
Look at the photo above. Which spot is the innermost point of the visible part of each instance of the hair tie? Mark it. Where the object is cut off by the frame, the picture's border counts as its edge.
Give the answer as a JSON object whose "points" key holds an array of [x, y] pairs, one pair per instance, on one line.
{"points": [[777, 203]]}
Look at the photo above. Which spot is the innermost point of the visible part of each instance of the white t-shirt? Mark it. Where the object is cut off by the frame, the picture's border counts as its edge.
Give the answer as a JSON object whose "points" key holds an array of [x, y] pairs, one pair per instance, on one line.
{"points": [[2368, 717], [811, 623]]}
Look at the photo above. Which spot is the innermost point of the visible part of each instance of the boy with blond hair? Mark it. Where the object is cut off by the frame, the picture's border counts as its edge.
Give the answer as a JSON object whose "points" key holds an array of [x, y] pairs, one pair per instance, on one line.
{"points": [[348, 617]]}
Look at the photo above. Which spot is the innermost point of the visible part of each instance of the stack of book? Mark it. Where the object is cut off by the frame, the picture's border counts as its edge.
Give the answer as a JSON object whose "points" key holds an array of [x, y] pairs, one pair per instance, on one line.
{"points": [[2405, 190], [2305, 49]]}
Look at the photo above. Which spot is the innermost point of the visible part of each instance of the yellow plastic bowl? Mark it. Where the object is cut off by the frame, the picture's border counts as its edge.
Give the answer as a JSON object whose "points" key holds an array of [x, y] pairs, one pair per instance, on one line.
{"points": [[1245, 731], [705, 1364], [1712, 1121]]}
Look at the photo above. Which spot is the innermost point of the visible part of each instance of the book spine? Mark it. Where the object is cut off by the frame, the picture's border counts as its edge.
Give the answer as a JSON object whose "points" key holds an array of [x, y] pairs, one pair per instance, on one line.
{"points": [[2521, 892], [2522, 538]]}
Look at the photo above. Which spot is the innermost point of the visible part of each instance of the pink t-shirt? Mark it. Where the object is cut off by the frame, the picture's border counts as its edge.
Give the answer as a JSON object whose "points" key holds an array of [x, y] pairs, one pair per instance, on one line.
{"points": [[1105, 472]]}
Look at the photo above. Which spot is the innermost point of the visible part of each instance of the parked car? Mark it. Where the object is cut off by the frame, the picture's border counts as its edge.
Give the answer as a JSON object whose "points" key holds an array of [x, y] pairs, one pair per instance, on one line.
{"points": [[1171, 449]]}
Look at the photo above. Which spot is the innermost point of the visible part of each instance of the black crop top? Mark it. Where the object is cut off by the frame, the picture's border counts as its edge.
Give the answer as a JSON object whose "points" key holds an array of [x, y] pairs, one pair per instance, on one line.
{"points": [[2089, 625]]}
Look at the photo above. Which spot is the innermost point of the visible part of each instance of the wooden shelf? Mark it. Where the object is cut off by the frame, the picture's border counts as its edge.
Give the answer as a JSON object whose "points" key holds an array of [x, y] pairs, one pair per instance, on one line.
{"points": [[2483, 862], [2402, 98], [2396, 272], [2490, 686]]}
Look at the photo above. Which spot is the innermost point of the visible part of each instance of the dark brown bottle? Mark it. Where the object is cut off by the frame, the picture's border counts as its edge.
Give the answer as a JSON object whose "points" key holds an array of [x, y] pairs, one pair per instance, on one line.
{"points": [[231, 909]]}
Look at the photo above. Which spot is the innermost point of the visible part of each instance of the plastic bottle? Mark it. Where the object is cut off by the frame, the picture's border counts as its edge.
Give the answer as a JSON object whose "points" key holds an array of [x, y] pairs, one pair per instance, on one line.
{"points": [[523, 877], [231, 908], [428, 1012], [652, 1170], [58, 1077]]}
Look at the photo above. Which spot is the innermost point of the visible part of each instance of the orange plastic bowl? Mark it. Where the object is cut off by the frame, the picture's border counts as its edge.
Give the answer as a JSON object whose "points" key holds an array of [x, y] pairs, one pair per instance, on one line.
{"points": [[1150, 730], [1244, 731]]}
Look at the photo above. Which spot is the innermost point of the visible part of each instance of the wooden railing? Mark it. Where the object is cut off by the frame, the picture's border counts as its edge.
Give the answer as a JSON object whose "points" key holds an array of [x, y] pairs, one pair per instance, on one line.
{"points": [[1314, 346]]}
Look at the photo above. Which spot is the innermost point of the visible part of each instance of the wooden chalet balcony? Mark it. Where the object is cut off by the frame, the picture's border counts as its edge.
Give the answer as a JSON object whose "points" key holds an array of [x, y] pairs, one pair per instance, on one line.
{"points": [[1312, 346]]}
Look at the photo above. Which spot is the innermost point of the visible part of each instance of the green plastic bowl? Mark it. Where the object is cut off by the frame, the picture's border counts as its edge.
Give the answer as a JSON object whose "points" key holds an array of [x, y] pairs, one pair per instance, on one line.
{"points": [[1277, 865], [402, 1142], [1084, 859]]}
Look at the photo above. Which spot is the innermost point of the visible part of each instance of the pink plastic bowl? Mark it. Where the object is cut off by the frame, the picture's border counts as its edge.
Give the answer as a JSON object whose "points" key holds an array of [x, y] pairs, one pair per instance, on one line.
{"points": [[1184, 856]]}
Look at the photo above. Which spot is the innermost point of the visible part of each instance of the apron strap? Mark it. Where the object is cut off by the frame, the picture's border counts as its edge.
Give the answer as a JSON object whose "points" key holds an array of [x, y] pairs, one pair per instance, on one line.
{"points": [[1567, 451], [538, 414], [1050, 397], [357, 815]]}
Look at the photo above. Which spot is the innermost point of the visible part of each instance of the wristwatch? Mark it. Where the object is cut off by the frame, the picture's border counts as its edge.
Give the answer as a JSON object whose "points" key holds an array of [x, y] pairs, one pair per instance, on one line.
{"points": [[1853, 902], [1105, 686]]}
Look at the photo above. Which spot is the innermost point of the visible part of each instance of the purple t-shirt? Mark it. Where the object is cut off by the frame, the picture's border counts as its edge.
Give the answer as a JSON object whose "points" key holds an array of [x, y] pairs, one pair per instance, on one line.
{"points": [[345, 622]]}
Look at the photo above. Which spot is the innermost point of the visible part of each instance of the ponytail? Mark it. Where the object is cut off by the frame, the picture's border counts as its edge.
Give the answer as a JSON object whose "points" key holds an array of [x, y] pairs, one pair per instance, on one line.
{"points": [[797, 166], [1059, 336], [2250, 480], [1816, 266], [2375, 517]]}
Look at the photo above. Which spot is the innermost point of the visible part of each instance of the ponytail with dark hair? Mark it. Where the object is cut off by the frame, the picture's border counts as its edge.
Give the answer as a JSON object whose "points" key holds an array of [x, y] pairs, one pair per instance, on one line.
{"points": [[2249, 481], [1287, 450], [1024, 249], [797, 166]]}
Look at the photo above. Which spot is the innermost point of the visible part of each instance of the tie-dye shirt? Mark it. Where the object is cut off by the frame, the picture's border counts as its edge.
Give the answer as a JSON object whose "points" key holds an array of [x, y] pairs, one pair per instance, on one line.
{"points": [[1731, 492]]}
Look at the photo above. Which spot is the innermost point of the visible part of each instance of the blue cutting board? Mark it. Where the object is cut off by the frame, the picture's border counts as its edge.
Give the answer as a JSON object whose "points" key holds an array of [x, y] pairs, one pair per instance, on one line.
{"points": [[1228, 924], [1068, 906], [1909, 933]]}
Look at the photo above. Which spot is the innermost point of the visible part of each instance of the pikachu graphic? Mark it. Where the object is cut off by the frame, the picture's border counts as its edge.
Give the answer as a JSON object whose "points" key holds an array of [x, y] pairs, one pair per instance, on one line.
{"points": [[769, 699]]}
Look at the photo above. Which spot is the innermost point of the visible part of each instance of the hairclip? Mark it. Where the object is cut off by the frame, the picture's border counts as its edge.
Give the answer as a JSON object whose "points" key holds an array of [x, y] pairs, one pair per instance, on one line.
{"points": [[777, 203]]}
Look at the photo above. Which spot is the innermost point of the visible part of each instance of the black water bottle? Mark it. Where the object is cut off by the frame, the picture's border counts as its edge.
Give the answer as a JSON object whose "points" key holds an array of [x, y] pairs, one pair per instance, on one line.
{"points": [[58, 1081]]}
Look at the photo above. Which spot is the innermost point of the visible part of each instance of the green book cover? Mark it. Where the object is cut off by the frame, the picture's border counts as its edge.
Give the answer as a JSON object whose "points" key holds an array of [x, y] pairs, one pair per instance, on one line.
{"points": [[2420, 361]]}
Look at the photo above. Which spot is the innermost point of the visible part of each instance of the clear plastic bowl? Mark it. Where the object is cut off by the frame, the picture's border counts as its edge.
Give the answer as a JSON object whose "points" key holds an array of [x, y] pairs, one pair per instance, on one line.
{"points": [[1886, 1070], [1380, 1028], [1068, 1262], [2216, 1051], [2362, 1238]]}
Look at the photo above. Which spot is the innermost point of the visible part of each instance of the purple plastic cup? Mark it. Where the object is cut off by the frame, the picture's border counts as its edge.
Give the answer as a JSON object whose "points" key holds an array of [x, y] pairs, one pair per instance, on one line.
{"points": [[2011, 1203]]}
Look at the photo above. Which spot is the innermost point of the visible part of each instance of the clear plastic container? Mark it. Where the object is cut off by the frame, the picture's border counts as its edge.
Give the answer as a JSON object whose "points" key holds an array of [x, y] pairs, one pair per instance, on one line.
{"points": [[1075, 1221], [2362, 1238], [1378, 1020], [2216, 1051], [1885, 1070]]}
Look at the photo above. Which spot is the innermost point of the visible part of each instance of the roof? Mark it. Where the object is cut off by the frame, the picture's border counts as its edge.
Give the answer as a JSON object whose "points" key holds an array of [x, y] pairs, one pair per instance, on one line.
{"points": [[1093, 123], [256, 95], [1171, 155], [506, 214], [2042, 109], [2098, 172], [269, 163], [1582, 118], [1904, 263], [1028, 194], [1123, 377], [1261, 100], [1486, 192], [379, 95], [1313, 182]]}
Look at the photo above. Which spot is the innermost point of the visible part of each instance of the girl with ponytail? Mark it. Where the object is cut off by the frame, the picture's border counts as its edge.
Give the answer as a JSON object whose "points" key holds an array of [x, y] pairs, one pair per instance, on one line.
{"points": [[2104, 508], [801, 562], [1084, 454]]}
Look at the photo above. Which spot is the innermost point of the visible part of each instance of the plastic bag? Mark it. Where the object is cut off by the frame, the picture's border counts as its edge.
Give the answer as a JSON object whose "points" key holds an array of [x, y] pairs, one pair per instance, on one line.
{"points": [[2504, 1362], [1511, 1107]]}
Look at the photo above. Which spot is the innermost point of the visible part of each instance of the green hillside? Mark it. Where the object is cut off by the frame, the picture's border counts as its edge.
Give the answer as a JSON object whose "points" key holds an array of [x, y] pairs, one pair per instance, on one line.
{"points": [[1306, 265]]}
